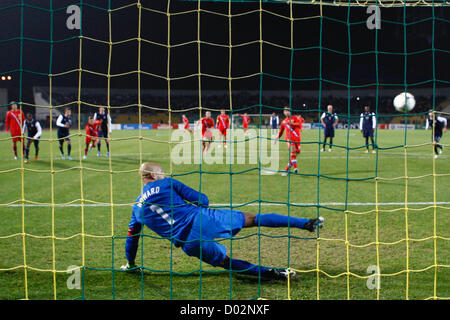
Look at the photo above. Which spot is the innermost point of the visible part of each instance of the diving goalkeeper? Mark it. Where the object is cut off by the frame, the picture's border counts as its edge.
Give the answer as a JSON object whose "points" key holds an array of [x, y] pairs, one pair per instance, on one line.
{"points": [[181, 214]]}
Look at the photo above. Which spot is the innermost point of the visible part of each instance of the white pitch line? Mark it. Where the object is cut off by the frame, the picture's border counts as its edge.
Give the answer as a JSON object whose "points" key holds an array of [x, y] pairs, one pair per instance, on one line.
{"points": [[248, 204]]}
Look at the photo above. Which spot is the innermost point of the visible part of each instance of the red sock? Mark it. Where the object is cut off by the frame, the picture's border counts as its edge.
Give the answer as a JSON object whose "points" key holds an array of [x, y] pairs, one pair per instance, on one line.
{"points": [[293, 161]]}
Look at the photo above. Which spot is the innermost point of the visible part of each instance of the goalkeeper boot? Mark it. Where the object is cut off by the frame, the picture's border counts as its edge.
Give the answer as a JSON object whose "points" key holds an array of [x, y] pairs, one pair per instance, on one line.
{"points": [[69, 157], [281, 274], [130, 267], [63, 157], [98, 154], [36, 158], [312, 224]]}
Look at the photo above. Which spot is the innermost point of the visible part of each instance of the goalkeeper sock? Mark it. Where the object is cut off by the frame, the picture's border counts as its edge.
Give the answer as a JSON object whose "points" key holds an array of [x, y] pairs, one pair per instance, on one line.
{"points": [[69, 148], [274, 220], [250, 268]]}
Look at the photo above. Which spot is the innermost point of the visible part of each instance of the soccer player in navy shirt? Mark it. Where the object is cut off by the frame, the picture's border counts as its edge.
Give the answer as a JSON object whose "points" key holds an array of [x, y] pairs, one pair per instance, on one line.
{"points": [[274, 122], [63, 123], [181, 214], [104, 130], [34, 131], [367, 125], [439, 126], [329, 121]]}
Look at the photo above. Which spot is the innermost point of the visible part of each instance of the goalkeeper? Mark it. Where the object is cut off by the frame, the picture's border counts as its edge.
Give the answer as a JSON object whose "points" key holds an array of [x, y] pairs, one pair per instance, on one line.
{"points": [[181, 214]]}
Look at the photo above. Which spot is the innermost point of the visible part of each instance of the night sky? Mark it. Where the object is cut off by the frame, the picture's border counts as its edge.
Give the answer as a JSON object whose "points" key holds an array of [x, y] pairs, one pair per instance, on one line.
{"points": [[305, 65]]}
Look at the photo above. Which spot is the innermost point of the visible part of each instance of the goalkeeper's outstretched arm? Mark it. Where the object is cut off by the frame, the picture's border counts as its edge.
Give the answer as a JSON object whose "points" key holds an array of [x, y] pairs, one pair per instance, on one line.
{"points": [[132, 243]]}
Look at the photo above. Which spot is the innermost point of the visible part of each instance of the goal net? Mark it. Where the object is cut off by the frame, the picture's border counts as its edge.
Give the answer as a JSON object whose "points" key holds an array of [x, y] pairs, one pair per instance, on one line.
{"points": [[384, 199]]}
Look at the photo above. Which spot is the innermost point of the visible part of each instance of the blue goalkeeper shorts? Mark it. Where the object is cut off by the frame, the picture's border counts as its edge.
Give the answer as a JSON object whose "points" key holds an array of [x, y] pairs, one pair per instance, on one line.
{"points": [[211, 224]]}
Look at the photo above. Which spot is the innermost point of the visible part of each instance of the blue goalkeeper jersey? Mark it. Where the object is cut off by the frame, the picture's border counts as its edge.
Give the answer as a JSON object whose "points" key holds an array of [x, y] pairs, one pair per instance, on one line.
{"points": [[167, 207]]}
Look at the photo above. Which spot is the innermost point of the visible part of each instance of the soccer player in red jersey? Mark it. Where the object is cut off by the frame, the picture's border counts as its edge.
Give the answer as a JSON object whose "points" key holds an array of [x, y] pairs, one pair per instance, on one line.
{"points": [[186, 124], [223, 123], [14, 123], [91, 134], [96, 142], [293, 126], [207, 126], [245, 121]]}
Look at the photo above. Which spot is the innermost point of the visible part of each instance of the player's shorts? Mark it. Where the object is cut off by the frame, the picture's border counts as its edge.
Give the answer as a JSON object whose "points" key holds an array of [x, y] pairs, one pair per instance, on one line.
{"points": [[368, 133], [31, 139], [90, 139], [223, 131], [103, 134], [207, 135], [16, 136], [329, 132], [294, 141], [186, 126], [296, 144], [208, 225], [64, 136]]}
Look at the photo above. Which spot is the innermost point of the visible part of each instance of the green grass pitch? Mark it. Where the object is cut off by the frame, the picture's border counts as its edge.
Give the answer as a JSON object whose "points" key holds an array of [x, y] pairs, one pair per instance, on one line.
{"points": [[427, 258]]}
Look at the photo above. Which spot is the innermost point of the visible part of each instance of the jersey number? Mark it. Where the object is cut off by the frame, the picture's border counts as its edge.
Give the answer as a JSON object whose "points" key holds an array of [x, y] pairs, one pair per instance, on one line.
{"points": [[163, 215]]}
